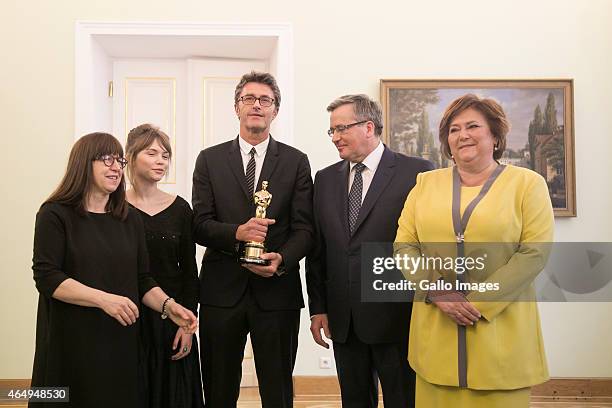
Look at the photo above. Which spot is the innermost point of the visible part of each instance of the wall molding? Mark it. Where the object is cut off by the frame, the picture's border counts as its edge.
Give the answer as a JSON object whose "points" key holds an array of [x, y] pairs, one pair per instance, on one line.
{"points": [[85, 32]]}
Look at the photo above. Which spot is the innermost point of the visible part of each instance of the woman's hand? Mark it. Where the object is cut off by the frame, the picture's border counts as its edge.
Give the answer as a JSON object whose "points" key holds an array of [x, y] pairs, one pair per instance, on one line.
{"points": [[182, 340], [121, 308], [456, 306], [182, 317]]}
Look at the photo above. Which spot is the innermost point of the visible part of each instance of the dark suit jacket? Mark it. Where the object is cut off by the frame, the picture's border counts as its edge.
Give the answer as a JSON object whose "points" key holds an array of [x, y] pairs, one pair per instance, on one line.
{"points": [[221, 203], [333, 271]]}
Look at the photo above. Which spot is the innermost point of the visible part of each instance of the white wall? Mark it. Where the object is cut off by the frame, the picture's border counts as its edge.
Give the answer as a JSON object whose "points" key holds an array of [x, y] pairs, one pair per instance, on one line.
{"points": [[340, 47]]}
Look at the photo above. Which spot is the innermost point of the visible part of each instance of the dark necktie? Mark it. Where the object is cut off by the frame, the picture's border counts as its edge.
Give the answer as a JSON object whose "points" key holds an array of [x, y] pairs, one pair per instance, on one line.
{"points": [[250, 172], [354, 198]]}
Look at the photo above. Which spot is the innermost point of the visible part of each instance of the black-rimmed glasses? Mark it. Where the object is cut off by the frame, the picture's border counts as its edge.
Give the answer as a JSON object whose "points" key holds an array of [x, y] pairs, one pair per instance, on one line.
{"points": [[264, 101], [344, 128], [109, 159]]}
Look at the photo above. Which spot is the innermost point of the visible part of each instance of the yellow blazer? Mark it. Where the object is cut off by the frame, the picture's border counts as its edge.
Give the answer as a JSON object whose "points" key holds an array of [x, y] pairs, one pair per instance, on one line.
{"points": [[505, 348]]}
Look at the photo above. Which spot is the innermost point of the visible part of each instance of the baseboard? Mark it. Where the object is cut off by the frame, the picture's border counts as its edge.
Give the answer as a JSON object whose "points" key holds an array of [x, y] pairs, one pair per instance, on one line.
{"points": [[556, 389], [17, 384], [574, 389]]}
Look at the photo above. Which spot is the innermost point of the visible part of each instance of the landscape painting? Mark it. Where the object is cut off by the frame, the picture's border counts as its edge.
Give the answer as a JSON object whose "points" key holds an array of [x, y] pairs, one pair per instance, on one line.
{"points": [[540, 112]]}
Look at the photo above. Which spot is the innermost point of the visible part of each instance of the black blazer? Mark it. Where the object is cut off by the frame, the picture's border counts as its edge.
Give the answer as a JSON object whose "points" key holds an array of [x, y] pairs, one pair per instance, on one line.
{"points": [[333, 269], [221, 203]]}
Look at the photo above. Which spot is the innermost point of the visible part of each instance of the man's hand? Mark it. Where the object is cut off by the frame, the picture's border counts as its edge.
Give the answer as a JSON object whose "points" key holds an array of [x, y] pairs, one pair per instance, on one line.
{"points": [[318, 322], [266, 271], [254, 229]]}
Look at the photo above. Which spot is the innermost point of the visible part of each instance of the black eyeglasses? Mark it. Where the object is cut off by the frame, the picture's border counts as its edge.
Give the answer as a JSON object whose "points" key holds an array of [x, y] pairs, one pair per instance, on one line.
{"points": [[109, 159], [344, 128], [264, 101]]}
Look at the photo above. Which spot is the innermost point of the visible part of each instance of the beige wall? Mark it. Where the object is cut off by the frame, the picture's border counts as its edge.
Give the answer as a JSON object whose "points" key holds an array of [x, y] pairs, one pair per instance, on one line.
{"points": [[340, 46]]}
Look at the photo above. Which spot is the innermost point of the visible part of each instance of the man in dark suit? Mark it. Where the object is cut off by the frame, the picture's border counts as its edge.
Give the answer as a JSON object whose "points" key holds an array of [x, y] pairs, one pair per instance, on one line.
{"points": [[236, 299], [357, 200]]}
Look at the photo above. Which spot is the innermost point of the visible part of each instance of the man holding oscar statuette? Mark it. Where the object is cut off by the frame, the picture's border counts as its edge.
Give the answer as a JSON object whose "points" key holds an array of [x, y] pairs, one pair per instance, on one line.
{"points": [[252, 201]]}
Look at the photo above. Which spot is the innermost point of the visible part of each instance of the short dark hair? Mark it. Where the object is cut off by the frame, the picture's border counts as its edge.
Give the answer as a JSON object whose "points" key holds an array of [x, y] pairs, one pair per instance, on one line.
{"points": [[260, 78], [364, 108], [78, 179], [493, 113]]}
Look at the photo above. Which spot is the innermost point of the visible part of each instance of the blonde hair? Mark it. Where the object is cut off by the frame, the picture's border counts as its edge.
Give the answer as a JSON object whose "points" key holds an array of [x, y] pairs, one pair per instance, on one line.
{"points": [[139, 139]]}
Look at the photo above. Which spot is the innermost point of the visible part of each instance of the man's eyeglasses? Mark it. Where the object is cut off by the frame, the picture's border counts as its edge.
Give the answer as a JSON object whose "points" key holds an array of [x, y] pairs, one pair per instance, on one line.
{"points": [[264, 101], [108, 160], [344, 128]]}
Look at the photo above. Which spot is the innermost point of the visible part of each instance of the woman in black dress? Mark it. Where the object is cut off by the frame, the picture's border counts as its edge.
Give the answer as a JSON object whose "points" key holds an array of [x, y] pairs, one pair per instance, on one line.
{"points": [[91, 268], [171, 367]]}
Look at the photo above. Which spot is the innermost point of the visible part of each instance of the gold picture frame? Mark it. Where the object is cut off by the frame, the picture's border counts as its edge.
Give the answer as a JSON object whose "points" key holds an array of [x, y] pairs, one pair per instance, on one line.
{"points": [[541, 112]]}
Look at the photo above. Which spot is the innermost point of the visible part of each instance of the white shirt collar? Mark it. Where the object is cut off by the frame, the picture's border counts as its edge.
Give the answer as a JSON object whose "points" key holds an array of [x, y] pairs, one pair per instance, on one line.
{"points": [[260, 149], [373, 159]]}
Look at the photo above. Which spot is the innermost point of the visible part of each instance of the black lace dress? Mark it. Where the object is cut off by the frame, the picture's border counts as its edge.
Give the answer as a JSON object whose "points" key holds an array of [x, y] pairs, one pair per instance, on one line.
{"points": [[169, 383]]}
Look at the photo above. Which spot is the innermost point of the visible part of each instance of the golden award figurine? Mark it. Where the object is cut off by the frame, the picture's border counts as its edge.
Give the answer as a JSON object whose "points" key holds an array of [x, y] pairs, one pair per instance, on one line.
{"points": [[252, 250]]}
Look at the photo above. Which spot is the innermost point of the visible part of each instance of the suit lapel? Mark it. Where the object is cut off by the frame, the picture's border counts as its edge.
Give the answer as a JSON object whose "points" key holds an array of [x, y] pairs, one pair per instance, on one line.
{"points": [[269, 163], [235, 161], [342, 195], [382, 177]]}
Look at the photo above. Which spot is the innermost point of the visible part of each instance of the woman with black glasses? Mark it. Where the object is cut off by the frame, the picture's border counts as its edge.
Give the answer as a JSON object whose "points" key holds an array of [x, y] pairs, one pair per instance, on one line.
{"points": [[91, 268]]}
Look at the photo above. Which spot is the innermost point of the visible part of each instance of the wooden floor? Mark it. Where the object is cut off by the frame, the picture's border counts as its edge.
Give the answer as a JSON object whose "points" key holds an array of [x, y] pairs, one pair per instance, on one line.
{"points": [[334, 403], [249, 398]]}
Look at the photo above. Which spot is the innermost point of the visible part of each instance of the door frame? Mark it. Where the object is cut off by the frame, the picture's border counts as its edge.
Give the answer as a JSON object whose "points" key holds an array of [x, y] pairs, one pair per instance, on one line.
{"points": [[93, 108]]}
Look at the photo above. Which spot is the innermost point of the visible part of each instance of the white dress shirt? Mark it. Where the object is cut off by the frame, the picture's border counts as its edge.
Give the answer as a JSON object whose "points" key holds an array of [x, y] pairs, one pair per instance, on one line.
{"points": [[371, 163], [260, 155]]}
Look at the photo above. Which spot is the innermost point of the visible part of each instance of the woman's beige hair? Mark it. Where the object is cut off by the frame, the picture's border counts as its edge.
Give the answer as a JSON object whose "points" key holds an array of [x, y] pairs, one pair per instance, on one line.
{"points": [[493, 113], [139, 139]]}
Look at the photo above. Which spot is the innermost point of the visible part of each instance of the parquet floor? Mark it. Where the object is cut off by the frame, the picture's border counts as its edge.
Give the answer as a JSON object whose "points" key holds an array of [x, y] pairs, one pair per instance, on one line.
{"points": [[249, 398]]}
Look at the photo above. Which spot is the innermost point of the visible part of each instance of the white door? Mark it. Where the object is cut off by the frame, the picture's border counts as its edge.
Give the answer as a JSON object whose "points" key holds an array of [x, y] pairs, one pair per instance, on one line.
{"points": [[212, 118], [155, 91], [193, 102]]}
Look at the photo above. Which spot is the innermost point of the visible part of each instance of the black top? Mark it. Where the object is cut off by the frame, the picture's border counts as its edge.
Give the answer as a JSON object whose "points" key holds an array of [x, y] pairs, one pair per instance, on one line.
{"points": [[82, 347], [172, 252], [168, 383]]}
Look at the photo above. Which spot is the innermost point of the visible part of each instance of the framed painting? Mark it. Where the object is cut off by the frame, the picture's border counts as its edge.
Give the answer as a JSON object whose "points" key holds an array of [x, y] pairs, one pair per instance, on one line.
{"points": [[540, 112]]}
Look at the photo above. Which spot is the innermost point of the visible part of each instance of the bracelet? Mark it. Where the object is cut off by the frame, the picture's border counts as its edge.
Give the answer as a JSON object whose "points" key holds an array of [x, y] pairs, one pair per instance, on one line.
{"points": [[164, 314]]}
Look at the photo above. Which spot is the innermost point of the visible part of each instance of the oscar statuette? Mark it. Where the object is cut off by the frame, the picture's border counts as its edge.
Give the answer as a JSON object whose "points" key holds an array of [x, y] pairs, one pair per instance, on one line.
{"points": [[252, 250]]}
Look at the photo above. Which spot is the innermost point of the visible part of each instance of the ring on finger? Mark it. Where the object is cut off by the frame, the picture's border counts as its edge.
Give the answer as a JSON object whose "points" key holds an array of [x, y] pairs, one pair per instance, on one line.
{"points": [[185, 349]]}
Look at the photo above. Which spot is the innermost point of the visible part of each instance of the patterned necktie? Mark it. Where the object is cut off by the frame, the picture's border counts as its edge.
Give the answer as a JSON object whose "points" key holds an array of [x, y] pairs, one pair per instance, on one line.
{"points": [[354, 198], [250, 172]]}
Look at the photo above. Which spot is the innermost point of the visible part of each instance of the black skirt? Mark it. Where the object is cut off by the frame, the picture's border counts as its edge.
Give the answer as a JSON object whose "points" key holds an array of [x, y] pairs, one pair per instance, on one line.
{"points": [[166, 382]]}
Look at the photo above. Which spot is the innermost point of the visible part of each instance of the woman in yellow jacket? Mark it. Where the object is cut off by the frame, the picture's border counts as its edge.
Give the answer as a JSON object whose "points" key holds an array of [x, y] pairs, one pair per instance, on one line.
{"points": [[474, 348]]}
